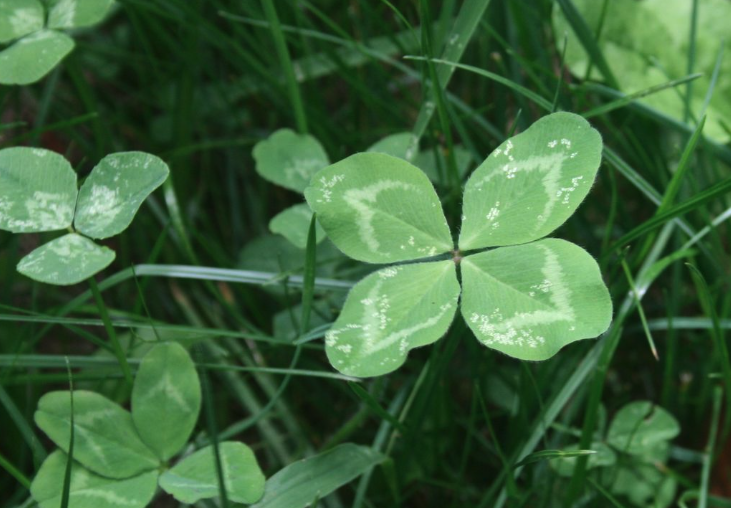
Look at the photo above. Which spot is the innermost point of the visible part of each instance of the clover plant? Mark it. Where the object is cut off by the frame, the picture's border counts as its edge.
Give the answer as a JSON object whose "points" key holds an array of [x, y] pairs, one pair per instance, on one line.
{"points": [[38, 193], [527, 298], [630, 456], [644, 45], [34, 31], [289, 159], [121, 457]]}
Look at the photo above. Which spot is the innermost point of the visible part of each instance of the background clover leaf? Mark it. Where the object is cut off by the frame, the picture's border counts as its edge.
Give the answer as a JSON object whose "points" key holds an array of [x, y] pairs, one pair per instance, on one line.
{"points": [[89, 490], [531, 183], [67, 260], [37, 190], [115, 190], [289, 159], [642, 41], [379, 209], [32, 57], [644, 429], [294, 223], [195, 478], [66, 14], [529, 301], [166, 399], [391, 312], [106, 440]]}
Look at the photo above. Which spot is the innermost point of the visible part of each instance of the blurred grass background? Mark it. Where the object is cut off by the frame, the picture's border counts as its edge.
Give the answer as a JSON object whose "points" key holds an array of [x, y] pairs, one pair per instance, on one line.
{"points": [[200, 82]]}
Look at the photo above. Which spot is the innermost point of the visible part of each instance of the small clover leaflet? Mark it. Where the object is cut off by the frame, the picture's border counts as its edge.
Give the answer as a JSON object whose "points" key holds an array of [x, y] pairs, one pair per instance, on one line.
{"points": [[38, 193], [32, 27], [630, 457], [528, 298], [120, 458]]}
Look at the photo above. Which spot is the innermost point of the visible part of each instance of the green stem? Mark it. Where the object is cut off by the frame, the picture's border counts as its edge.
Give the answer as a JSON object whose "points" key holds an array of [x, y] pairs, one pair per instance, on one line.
{"points": [[111, 333]]}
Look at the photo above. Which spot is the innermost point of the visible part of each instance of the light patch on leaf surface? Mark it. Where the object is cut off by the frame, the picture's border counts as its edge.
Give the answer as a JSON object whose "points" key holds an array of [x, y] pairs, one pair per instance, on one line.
{"points": [[379, 209], [66, 14], [37, 190], [531, 300], [19, 18], [389, 313], [88, 490], [533, 181], [166, 399], [67, 260], [115, 190]]}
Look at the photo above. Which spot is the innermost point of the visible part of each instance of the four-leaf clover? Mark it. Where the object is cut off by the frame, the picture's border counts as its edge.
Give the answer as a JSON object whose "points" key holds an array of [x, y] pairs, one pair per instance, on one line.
{"points": [[528, 298]]}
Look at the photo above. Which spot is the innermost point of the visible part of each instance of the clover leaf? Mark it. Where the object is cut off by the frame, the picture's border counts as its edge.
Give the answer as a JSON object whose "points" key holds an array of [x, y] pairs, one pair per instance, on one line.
{"points": [[527, 299], [31, 27], [641, 42], [635, 447], [38, 193], [118, 455]]}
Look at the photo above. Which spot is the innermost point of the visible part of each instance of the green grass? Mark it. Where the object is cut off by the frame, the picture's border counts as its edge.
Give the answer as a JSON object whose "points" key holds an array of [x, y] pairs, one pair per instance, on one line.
{"points": [[198, 83]]}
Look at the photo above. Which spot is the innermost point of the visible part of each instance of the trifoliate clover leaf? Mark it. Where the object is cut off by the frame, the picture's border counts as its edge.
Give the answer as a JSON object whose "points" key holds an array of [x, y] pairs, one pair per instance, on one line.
{"points": [[38, 193], [527, 301], [36, 45]]}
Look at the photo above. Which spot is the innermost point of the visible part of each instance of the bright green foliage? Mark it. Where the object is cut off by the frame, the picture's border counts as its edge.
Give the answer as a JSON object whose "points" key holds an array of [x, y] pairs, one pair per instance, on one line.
{"points": [[36, 45], [379, 209], [294, 223], [38, 193], [19, 18], [106, 440], [391, 312], [531, 183], [289, 159], [76, 13], [396, 145], [166, 399], [117, 455], [642, 428], [629, 458], [646, 43], [298, 484], [551, 294], [115, 190], [88, 490], [37, 190], [195, 478], [67, 260], [527, 301]]}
